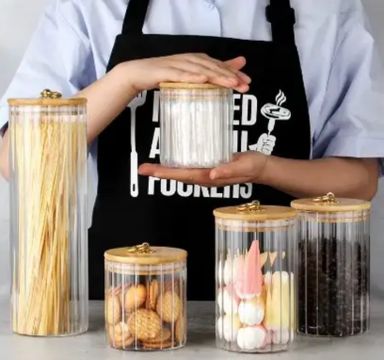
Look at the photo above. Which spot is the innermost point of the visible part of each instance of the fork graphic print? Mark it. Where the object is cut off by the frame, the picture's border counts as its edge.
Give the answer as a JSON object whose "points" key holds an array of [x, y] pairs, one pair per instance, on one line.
{"points": [[138, 101]]}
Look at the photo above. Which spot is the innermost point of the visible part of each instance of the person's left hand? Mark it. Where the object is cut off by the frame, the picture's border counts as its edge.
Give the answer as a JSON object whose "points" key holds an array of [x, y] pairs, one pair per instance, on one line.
{"points": [[246, 167]]}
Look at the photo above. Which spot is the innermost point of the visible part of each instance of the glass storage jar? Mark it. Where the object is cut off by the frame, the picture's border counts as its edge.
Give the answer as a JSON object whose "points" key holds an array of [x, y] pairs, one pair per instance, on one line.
{"points": [[145, 298], [48, 161], [334, 267], [255, 278], [196, 124]]}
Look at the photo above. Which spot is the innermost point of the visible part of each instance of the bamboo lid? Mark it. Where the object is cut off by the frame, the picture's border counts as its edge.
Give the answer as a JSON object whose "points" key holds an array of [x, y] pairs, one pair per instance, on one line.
{"points": [[255, 212], [176, 85], [48, 98], [329, 203], [48, 102], [146, 255]]}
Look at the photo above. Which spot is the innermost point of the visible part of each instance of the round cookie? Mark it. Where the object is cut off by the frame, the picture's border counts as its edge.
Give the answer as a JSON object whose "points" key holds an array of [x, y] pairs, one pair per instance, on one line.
{"points": [[134, 297], [152, 295], [112, 308], [162, 341], [170, 285], [120, 336], [169, 306], [157, 346], [180, 328], [144, 324]]}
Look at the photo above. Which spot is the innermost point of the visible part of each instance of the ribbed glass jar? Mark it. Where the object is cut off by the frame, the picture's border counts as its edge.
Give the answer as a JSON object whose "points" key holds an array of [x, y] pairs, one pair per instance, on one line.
{"points": [[255, 278], [145, 298], [334, 266], [48, 161], [196, 125]]}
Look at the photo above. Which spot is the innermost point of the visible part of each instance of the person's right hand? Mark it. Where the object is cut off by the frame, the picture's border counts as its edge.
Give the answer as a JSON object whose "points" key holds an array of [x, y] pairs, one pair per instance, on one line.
{"points": [[146, 74]]}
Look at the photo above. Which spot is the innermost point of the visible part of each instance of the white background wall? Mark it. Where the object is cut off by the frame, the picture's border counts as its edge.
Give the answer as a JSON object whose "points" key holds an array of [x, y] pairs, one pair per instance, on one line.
{"points": [[18, 19]]}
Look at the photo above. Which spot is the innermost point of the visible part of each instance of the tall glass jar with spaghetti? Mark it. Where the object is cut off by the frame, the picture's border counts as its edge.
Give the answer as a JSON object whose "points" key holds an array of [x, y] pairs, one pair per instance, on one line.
{"points": [[333, 266], [196, 125], [145, 298], [255, 278], [48, 154]]}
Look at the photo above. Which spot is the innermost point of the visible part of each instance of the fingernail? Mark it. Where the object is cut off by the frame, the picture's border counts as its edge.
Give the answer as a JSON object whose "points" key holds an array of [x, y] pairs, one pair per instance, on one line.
{"points": [[242, 88], [213, 175], [245, 77]]}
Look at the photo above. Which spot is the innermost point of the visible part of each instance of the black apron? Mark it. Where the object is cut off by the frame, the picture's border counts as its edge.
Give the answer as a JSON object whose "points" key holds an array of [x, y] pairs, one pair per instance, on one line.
{"points": [[174, 214]]}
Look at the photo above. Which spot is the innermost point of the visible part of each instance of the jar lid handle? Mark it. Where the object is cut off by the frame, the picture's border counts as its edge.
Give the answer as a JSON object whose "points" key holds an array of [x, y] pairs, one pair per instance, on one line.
{"points": [[144, 248], [252, 207], [49, 94], [329, 198]]}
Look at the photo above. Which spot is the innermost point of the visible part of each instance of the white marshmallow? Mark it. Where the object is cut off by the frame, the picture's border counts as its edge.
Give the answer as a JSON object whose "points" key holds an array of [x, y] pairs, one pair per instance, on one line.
{"points": [[228, 272], [227, 303], [282, 337], [251, 338], [228, 326], [251, 312], [268, 338]]}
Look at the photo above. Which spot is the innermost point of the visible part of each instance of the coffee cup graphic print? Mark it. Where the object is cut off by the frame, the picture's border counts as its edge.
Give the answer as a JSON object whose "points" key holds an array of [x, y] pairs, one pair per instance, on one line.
{"points": [[273, 112]]}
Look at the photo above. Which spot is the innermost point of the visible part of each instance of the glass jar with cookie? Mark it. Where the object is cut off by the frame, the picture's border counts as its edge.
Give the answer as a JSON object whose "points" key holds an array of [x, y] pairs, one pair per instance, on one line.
{"points": [[145, 298]]}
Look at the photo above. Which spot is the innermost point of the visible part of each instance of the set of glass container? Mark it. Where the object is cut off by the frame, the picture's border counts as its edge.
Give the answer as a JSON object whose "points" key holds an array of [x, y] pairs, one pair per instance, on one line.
{"points": [[279, 270], [331, 243], [282, 270]]}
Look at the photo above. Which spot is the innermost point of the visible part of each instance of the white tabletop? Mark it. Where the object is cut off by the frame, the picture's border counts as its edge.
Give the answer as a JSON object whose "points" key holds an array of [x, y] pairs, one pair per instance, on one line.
{"points": [[201, 341]]}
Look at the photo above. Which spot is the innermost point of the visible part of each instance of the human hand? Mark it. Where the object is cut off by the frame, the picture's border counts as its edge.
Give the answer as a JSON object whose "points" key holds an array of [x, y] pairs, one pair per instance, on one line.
{"points": [[265, 144], [245, 167], [146, 74]]}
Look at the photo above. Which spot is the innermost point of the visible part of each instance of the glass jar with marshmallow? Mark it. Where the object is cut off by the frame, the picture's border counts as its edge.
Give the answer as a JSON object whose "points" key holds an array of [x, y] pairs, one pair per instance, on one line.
{"points": [[255, 278]]}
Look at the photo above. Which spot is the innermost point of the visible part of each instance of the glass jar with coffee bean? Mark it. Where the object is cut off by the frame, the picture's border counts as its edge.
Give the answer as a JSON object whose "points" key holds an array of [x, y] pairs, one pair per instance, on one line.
{"points": [[333, 266]]}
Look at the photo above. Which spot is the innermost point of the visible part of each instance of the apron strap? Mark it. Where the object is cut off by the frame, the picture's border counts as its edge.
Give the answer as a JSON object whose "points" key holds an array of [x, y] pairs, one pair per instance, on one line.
{"points": [[135, 17], [282, 18], [279, 13]]}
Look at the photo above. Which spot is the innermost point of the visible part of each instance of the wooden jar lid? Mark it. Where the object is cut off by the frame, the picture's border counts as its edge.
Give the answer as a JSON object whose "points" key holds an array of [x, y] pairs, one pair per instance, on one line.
{"points": [[146, 255], [329, 203], [176, 85], [255, 212], [48, 102], [48, 98]]}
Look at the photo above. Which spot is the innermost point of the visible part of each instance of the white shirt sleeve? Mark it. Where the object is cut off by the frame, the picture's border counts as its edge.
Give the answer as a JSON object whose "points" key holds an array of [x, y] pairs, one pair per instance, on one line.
{"points": [[353, 106], [59, 57]]}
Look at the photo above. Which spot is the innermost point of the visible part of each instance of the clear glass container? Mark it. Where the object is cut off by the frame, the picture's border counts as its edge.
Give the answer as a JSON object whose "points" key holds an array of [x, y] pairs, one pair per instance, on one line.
{"points": [[145, 298], [48, 158], [334, 266], [255, 278], [196, 125]]}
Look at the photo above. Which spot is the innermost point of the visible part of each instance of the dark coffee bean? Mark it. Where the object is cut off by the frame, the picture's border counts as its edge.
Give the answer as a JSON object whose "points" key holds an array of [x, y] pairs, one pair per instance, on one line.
{"points": [[333, 287]]}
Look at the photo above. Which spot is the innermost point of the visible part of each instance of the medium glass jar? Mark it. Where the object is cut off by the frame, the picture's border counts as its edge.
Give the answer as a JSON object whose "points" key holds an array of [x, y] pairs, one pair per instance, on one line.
{"points": [[145, 298], [196, 125], [255, 278], [48, 161], [333, 266]]}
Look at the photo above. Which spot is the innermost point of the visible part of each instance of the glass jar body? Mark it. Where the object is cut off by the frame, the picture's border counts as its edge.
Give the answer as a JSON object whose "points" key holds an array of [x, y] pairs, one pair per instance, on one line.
{"points": [[255, 292]]}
